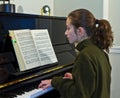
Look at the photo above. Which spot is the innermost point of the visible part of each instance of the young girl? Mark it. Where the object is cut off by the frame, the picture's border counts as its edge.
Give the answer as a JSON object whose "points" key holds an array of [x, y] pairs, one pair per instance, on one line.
{"points": [[91, 74]]}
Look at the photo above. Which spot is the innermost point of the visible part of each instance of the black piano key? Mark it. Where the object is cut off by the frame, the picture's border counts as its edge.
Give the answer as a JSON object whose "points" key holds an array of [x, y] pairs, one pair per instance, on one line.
{"points": [[25, 88], [7, 95]]}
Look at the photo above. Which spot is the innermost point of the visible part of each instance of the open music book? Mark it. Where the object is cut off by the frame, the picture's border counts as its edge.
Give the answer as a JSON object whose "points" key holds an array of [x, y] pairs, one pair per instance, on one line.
{"points": [[33, 48]]}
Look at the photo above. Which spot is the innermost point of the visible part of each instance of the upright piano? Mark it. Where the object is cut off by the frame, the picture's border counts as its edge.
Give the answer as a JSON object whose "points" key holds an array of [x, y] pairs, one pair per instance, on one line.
{"points": [[14, 82]]}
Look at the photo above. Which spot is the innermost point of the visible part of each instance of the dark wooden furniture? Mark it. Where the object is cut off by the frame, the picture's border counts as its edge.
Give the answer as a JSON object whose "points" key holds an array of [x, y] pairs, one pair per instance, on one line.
{"points": [[16, 82]]}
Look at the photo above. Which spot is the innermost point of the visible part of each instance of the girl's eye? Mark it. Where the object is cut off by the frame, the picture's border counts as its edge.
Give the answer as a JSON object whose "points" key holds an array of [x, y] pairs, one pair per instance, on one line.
{"points": [[68, 28]]}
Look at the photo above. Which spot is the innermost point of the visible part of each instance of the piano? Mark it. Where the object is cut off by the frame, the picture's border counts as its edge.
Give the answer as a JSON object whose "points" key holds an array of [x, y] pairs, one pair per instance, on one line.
{"points": [[24, 84]]}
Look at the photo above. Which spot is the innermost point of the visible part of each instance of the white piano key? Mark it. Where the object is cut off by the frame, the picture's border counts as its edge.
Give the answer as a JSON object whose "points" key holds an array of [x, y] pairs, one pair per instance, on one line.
{"points": [[39, 93], [34, 93], [28, 94]]}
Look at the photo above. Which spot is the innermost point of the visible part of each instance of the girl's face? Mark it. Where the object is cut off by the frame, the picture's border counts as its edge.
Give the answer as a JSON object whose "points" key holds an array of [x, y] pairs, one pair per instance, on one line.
{"points": [[71, 32]]}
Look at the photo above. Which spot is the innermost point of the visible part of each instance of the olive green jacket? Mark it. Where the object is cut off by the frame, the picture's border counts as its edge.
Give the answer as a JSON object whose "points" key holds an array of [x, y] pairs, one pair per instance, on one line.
{"points": [[91, 74]]}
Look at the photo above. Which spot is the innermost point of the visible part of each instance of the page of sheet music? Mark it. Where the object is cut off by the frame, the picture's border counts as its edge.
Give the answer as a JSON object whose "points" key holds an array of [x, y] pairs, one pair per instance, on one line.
{"points": [[44, 46], [27, 48]]}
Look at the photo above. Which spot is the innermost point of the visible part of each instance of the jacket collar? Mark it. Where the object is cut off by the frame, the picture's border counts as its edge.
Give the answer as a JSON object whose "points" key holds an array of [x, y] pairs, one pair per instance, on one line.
{"points": [[84, 43]]}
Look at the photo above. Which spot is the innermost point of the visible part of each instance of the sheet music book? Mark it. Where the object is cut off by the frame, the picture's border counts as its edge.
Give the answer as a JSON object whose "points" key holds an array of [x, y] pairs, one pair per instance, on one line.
{"points": [[33, 48]]}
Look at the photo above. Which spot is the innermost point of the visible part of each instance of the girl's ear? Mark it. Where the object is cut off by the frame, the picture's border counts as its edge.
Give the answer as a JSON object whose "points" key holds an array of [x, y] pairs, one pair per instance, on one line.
{"points": [[80, 31]]}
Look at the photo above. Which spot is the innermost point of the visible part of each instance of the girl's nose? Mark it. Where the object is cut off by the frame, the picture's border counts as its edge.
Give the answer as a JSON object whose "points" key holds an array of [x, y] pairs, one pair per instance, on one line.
{"points": [[65, 32]]}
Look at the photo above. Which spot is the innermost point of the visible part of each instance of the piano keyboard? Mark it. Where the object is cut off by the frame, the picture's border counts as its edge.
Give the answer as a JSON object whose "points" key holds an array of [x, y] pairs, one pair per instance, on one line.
{"points": [[34, 93]]}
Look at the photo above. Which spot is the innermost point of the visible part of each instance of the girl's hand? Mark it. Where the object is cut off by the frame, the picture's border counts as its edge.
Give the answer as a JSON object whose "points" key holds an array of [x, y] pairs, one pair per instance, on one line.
{"points": [[68, 76], [45, 84]]}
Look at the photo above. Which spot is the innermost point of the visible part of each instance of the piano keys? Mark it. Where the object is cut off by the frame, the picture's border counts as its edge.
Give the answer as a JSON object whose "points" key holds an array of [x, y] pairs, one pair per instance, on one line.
{"points": [[34, 93]]}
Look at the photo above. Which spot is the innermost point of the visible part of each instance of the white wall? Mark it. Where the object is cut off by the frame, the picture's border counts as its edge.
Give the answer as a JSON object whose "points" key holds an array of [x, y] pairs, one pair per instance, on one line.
{"points": [[114, 17], [115, 63], [31, 6], [105, 9], [63, 7], [58, 7]]}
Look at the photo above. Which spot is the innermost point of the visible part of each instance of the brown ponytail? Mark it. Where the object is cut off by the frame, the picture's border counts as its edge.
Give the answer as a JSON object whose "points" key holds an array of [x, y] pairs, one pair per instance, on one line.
{"points": [[103, 35], [99, 30]]}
